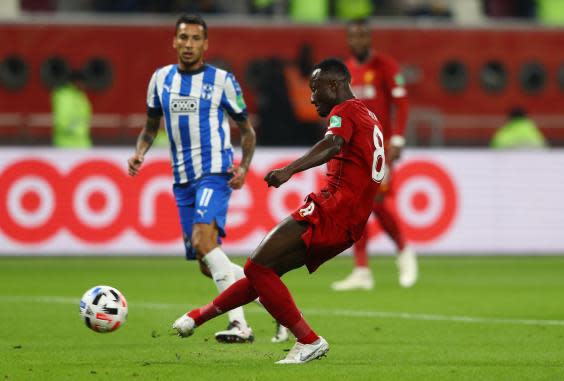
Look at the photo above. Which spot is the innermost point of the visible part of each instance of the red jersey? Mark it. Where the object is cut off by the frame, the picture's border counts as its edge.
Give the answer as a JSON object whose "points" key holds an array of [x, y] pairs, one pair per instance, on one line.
{"points": [[380, 85], [354, 174]]}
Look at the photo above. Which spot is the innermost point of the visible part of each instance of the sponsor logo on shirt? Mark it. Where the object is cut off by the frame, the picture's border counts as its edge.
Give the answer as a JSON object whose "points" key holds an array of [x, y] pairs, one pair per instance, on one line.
{"points": [[400, 81], [335, 121], [184, 105], [207, 91]]}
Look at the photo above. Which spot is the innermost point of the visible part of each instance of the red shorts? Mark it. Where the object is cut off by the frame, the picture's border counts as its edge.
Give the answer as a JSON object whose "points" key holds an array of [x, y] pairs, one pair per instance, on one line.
{"points": [[323, 238]]}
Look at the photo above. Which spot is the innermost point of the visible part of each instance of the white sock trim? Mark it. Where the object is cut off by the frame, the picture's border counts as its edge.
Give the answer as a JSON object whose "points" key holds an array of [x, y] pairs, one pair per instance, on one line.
{"points": [[238, 271], [221, 270]]}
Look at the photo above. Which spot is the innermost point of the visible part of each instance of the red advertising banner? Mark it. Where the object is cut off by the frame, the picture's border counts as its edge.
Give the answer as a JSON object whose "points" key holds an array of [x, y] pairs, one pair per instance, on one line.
{"points": [[83, 202]]}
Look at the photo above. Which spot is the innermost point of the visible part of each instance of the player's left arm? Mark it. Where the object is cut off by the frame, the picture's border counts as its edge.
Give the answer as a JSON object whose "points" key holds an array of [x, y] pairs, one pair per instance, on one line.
{"points": [[319, 154], [234, 103], [248, 144], [400, 109]]}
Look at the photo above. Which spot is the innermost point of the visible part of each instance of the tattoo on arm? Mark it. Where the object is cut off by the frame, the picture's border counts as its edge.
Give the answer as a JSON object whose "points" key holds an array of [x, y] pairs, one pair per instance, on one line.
{"points": [[147, 138], [148, 134], [248, 142]]}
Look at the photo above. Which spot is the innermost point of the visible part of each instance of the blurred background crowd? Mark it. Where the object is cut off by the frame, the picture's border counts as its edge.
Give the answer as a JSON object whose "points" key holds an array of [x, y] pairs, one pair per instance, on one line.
{"points": [[550, 11], [469, 66]]}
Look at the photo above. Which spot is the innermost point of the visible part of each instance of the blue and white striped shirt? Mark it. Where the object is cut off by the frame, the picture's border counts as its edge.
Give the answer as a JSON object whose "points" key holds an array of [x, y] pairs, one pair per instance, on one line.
{"points": [[194, 106]]}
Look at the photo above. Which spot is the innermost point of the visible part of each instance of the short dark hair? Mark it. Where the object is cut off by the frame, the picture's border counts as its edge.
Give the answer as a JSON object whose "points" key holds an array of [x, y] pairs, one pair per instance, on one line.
{"points": [[335, 66], [192, 19]]}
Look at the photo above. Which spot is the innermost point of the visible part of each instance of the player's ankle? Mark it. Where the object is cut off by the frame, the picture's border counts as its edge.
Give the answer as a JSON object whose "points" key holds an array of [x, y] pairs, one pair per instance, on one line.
{"points": [[310, 338]]}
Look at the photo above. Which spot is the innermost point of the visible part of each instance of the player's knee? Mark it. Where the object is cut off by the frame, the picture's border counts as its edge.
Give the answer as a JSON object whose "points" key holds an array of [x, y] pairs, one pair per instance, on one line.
{"points": [[202, 244], [247, 269]]}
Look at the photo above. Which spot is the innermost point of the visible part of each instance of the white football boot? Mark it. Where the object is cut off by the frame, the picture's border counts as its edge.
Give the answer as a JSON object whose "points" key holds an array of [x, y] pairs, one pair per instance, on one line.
{"points": [[359, 279], [407, 266], [235, 333], [281, 335], [302, 353], [184, 326]]}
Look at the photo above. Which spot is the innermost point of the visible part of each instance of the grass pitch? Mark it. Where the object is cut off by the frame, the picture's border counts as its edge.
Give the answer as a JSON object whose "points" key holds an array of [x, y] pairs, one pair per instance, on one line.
{"points": [[467, 319]]}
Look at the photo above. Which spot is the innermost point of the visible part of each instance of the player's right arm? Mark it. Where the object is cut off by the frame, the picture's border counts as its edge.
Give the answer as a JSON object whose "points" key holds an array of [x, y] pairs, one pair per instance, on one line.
{"points": [[398, 98], [339, 132], [144, 142], [149, 132], [319, 154]]}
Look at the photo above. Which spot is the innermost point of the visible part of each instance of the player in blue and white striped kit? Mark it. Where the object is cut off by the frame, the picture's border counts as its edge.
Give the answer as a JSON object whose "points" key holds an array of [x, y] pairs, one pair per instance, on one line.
{"points": [[195, 99]]}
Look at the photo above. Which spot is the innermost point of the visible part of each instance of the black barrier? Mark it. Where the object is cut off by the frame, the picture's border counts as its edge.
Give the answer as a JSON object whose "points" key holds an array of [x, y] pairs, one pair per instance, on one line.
{"points": [[98, 73], [14, 73], [532, 77], [54, 72], [454, 76], [493, 76]]}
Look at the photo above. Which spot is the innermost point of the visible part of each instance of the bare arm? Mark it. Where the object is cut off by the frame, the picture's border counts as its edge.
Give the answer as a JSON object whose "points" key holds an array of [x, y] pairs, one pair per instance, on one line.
{"points": [[319, 154], [248, 144], [144, 142]]}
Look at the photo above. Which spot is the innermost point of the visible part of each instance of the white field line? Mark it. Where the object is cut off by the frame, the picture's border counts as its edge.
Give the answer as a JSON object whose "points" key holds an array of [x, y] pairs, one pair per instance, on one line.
{"points": [[307, 311]]}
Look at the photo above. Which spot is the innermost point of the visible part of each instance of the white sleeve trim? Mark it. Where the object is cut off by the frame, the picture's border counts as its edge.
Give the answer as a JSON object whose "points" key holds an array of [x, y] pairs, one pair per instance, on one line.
{"points": [[231, 95], [151, 90], [397, 141], [399, 92]]}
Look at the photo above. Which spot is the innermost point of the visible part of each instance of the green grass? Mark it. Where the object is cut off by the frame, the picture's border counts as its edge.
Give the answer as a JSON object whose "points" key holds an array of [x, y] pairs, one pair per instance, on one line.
{"points": [[43, 338]]}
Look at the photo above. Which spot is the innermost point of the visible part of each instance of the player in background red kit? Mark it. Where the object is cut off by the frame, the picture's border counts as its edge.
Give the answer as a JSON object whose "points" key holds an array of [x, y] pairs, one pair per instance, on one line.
{"points": [[328, 223], [377, 81]]}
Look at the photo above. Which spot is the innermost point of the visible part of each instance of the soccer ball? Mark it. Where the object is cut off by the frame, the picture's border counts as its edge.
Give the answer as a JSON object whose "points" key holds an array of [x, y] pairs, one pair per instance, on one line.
{"points": [[103, 308]]}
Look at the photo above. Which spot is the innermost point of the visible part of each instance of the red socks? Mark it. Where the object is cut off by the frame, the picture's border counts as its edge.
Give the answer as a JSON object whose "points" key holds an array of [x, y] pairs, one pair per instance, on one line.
{"points": [[359, 251], [205, 313], [276, 298], [390, 222], [266, 284], [238, 294]]}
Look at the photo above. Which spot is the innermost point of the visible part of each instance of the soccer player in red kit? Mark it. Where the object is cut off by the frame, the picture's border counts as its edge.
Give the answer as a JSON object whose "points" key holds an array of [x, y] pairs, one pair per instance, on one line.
{"points": [[329, 221], [377, 81]]}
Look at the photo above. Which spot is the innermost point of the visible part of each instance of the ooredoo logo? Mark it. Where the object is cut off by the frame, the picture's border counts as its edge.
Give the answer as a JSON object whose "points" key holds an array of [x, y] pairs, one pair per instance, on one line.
{"points": [[426, 199], [28, 201], [96, 202]]}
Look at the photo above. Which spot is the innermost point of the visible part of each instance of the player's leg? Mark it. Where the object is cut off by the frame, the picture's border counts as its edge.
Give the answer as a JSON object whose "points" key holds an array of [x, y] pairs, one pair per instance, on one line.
{"points": [[407, 259], [281, 333], [281, 251], [212, 197], [361, 276], [242, 291]]}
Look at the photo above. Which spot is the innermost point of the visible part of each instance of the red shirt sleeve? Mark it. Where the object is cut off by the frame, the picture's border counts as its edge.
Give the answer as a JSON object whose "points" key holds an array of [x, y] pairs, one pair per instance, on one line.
{"points": [[339, 122], [398, 97]]}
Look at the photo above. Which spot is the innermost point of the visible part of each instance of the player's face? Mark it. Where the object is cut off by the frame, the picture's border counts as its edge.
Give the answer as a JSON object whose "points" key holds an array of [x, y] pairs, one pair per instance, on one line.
{"points": [[190, 43], [323, 92], [359, 39]]}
